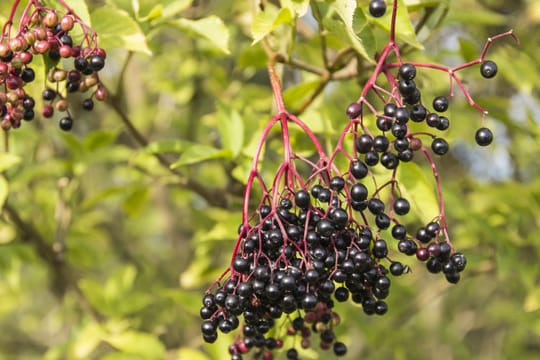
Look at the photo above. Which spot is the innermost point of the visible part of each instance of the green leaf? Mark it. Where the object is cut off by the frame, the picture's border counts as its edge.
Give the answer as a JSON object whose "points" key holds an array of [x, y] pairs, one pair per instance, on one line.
{"points": [[198, 153], [298, 7], [117, 29], [86, 340], [268, 20], [154, 13], [349, 23], [295, 95], [231, 128], [419, 190], [136, 201], [8, 160], [211, 28], [174, 8], [404, 27], [137, 343]]}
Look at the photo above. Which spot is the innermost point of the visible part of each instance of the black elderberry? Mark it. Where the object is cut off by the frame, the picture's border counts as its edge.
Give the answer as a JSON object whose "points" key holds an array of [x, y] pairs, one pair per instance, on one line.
{"points": [[316, 190], [28, 114], [325, 227], [88, 104], [377, 8], [396, 268], [380, 143], [337, 183], [407, 247], [399, 232], [405, 155], [402, 115], [375, 206], [433, 120], [401, 144], [399, 130], [340, 349], [265, 210], [339, 217], [402, 206], [381, 307], [309, 301], [383, 124], [48, 94], [80, 64], [241, 265], [358, 169], [452, 278], [28, 75], [354, 110], [285, 204], [433, 265], [28, 103], [433, 228], [66, 123], [341, 294], [96, 62], [483, 136], [444, 123], [302, 199], [423, 236], [382, 221], [439, 146], [418, 113], [440, 104], [488, 69], [407, 71], [380, 249], [406, 87], [292, 354], [208, 327], [413, 98], [389, 160], [459, 261], [72, 86], [325, 195], [364, 143], [390, 109], [371, 158]]}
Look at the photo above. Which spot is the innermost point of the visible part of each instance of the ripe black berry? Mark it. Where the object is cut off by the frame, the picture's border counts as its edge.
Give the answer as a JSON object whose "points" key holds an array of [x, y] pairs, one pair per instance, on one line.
{"points": [[80, 63], [407, 87], [389, 160], [380, 143], [88, 104], [440, 104], [66, 123], [359, 192], [49, 94], [28, 75], [364, 143], [383, 124], [439, 146], [407, 71], [302, 199], [358, 169], [402, 115], [340, 349], [377, 8], [483, 136], [337, 183], [354, 110], [444, 123], [372, 158], [418, 113], [390, 109], [96, 62], [402, 206], [488, 69]]}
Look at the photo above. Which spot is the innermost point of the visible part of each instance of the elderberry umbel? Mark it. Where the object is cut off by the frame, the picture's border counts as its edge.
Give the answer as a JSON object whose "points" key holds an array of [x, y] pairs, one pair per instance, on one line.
{"points": [[72, 66]]}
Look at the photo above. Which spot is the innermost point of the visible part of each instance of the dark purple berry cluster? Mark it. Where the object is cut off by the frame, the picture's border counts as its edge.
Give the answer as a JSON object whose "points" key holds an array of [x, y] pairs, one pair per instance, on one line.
{"points": [[337, 232], [74, 67]]}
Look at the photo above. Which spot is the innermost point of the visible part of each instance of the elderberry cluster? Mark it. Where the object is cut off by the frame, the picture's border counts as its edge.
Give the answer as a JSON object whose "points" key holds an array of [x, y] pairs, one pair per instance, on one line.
{"points": [[72, 67]]}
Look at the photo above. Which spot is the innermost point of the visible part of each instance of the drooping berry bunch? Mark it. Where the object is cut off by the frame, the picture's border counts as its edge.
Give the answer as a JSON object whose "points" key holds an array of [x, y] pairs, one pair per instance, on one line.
{"points": [[326, 236], [72, 66]]}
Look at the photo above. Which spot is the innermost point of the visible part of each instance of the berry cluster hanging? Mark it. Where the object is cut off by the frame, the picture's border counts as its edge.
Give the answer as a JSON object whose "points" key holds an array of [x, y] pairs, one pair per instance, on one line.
{"points": [[72, 66], [320, 238]]}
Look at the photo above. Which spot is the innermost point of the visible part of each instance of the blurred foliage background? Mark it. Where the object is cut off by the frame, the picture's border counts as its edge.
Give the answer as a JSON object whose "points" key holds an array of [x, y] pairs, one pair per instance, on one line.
{"points": [[110, 234]]}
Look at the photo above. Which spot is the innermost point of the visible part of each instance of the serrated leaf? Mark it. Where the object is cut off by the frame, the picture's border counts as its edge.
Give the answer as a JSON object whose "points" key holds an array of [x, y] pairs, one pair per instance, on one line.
{"points": [[419, 190], [117, 29], [268, 20], [404, 27], [211, 28], [137, 343], [350, 23], [231, 129], [198, 153]]}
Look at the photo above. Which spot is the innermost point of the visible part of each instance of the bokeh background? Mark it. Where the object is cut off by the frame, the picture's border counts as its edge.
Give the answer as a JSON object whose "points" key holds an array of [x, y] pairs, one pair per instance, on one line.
{"points": [[106, 250]]}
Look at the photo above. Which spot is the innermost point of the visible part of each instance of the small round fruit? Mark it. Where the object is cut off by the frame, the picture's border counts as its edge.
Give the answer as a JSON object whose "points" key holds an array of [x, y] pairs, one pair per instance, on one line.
{"points": [[439, 146], [354, 110], [66, 123], [96, 62], [488, 69], [88, 104], [407, 71], [440, 104], [377, 8], [483, 136]]}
